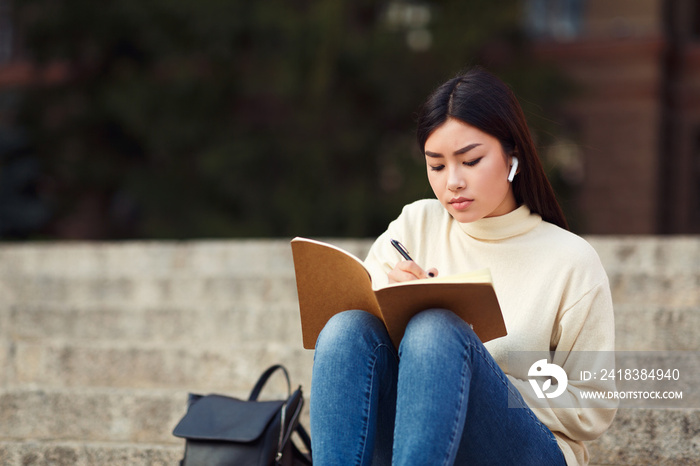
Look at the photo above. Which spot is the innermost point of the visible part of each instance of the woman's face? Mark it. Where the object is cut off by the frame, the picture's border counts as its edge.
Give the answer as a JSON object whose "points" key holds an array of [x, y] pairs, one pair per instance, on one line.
{"points": [[468, 172]]}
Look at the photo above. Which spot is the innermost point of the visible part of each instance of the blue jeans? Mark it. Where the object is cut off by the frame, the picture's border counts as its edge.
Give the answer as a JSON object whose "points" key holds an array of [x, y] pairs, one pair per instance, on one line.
{"points": [[441, 400]]}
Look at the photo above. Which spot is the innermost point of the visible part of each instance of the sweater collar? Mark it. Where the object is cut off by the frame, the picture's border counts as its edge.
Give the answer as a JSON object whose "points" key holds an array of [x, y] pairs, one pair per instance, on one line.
{"points": [[517, 222]]}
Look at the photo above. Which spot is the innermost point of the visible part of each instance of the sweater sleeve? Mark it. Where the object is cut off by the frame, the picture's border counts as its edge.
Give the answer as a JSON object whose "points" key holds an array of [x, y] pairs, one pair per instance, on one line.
{"points": [[407, 228], [584, 340]]}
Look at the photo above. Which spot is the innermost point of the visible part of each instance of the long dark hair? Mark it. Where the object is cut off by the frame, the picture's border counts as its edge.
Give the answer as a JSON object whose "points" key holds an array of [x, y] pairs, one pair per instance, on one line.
{"points": [[483, 101]]}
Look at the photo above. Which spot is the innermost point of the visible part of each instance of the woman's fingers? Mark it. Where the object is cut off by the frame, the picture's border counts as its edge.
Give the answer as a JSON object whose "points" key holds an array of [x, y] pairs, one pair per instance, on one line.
{"points": [[409, 270]]}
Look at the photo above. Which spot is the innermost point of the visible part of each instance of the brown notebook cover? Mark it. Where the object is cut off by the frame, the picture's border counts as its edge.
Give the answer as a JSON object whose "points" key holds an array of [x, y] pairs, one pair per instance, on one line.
{"points": [[330, 280]]}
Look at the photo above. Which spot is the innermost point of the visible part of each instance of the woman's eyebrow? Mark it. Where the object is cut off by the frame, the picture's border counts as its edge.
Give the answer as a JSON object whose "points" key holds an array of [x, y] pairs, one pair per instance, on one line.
{"points": [[461, 151], [466, 149]]}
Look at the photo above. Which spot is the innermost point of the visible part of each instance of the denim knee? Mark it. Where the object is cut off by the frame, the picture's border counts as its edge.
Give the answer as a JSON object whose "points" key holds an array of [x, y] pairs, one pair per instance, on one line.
{"points": [[351, 331], [433, 329]]}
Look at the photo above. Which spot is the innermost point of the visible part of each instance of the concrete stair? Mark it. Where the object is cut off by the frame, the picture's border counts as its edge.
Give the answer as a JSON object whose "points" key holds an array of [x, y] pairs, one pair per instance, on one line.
{"points": [[100, 343]]}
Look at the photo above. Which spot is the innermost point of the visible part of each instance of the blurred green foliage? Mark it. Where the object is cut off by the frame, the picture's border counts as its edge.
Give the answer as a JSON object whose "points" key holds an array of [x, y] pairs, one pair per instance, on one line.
{"points": [[236, 118]]}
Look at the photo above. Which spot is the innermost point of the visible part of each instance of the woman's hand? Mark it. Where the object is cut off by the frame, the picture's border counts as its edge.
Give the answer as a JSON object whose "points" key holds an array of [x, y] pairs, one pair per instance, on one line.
{"points": [[409, 270]]}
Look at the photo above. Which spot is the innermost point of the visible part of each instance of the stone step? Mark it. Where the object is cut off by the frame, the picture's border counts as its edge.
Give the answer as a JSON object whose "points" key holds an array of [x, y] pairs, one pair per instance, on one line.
{"points": [[129, 428], [243, 258], [640, 326], [648, 254], [670, 288], [53, 453], [240, 323], [146, 259], [143, 416], [251, 257], [650, 437], [657, 327], [636, 254], [219, 364], [233, 366], [147, 292], [225, 364], [87, 415]]}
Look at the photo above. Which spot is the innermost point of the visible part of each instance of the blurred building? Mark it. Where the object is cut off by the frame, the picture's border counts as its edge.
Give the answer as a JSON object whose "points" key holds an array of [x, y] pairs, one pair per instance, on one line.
{"points": [[631, 133], [636, 115]]}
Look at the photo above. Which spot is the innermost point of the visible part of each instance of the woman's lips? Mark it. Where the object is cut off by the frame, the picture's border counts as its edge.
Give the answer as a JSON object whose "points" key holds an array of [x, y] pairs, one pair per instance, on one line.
{"points": [[461, 203]]}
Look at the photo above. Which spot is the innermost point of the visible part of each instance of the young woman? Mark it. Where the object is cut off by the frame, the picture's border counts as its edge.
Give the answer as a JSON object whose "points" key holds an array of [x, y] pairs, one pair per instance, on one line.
{"points": [[445, 397]]}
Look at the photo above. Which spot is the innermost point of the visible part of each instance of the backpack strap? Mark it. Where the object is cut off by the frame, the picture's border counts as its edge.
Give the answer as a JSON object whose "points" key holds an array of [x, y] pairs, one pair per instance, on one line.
{"points": [[263, 379]]}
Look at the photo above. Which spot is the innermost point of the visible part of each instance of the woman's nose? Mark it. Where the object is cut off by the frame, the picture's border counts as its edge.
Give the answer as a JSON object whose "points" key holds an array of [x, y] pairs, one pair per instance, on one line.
{"points": [[456, 181]]}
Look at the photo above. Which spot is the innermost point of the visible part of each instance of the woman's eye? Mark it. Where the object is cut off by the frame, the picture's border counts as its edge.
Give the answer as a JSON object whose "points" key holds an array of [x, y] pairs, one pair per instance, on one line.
{"points": [[436, 168], [471, 163]]}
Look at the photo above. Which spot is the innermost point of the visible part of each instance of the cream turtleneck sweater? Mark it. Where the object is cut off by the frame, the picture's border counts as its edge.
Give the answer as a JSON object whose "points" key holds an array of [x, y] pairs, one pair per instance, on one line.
{"points": [[553, 292]]}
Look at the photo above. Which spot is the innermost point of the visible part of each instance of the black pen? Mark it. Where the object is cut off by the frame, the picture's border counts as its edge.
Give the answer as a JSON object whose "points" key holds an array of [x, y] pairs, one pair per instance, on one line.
{"points": [[404, 253], [402, 250]]}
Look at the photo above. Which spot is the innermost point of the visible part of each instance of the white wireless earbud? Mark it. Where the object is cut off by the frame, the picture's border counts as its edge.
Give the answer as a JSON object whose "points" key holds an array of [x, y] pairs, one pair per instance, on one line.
{"points": [[513, 169]]}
